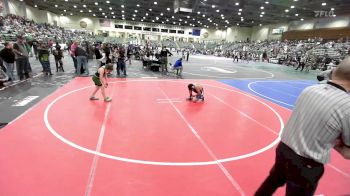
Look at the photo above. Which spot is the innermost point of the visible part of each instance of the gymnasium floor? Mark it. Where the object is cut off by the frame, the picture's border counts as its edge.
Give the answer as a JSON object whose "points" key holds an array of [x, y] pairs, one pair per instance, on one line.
{"points": [[149, 140]]}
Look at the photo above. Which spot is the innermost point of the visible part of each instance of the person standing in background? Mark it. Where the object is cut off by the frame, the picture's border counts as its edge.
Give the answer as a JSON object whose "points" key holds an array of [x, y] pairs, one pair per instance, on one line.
{"points": [[163, 57], [82, 60], [22, 58], [72, 49], [8, 57]]}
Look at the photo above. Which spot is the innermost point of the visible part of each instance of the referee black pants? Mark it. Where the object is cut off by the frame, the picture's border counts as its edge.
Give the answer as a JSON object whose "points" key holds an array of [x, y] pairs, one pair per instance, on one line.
{"points": [[301, 175]]}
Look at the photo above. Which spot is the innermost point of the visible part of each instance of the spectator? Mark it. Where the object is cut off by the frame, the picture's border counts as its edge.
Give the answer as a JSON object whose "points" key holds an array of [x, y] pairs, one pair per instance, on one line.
{"points": [[8, 57], [44, 58], [22, 58], [58, 58], [82, 58]]}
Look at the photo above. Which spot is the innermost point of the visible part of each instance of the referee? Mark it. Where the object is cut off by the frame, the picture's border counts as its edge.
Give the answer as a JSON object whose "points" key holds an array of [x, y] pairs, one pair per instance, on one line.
{"points": [[319, 123]]}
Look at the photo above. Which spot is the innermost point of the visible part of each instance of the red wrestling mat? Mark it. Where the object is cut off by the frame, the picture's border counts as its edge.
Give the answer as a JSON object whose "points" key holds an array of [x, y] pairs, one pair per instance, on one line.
{"points": [[148, 141]]}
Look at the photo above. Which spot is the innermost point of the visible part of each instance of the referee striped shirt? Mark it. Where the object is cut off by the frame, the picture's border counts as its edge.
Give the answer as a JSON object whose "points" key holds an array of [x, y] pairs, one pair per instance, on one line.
{"points": [[321, 115]]}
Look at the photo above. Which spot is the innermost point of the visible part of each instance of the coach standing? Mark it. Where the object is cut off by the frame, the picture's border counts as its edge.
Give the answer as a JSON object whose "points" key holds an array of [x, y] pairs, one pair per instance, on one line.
{"points": [[319, 123]]}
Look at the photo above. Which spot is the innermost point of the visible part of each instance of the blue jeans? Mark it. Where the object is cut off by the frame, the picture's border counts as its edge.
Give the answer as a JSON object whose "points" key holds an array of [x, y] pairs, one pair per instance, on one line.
{"points": [[121, 66], [9, 70], [82, 61], [46, 66]]}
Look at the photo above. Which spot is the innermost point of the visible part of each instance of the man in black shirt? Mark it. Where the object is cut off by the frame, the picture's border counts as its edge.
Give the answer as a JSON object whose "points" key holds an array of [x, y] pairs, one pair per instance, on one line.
{"points": [[8, 57], [163, 57]]}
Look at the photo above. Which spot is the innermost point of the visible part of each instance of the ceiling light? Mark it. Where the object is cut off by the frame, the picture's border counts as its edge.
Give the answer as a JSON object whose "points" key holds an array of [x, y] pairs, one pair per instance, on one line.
{"points": [[168, 9], [188, 17], [198, 12], [122, 6], [112, 13], [96, 3], [260, 24], [173, 22], [71, 14], [332, 9], [138, 5], [105, 16], [122, 11], [113, 16], [203, 15], [266, 2], [324, 4], [35, 6], [334, 15], [213, 6], [302, 19], [107, 1], [237, 3], [103, 13], [240, 10], [133, 18], [100, 9], [296, 14], [172, 17], [134, 15], [150, 10], [239, 13], [262, 13], [261, 16], [217, 10], [136, 11], [161, 14], [262, 8], [292, 6], [286, 10], [237, 24], [75, 6], [65, 10], [155, 3], [56, 5], [110, 8], [163, 22], [143, 17], [141, 20], [90, 11], [123, 16], [157, 18], [94, 14], [167, 20]]}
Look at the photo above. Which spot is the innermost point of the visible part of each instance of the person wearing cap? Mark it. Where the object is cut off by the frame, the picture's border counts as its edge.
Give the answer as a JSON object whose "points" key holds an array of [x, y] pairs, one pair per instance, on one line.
{"points": [[100, 80], [22, 58], [198, 90], [319, 123]]}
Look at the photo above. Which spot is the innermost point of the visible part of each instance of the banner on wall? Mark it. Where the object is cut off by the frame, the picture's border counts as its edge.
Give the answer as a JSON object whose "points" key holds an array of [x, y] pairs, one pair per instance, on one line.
{"points": [[103, 23]]}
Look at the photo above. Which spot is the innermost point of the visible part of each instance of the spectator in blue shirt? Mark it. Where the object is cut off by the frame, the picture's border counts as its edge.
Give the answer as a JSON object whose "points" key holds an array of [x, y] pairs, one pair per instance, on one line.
{"points": [[178, 67]]}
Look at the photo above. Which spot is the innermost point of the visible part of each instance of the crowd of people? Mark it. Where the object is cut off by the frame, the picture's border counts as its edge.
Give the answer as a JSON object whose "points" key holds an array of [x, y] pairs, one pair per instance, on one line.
{"points": [[41, 40]]}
